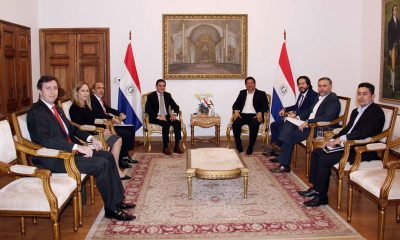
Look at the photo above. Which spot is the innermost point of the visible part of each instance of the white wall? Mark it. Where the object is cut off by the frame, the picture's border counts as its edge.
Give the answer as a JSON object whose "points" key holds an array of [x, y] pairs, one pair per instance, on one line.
{"points": [[25, 13], [339, 39]]}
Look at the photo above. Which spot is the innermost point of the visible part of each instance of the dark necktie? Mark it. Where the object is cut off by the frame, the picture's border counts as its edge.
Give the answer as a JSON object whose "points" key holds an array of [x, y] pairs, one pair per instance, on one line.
{"points": [[102, 106], [60, 122]]}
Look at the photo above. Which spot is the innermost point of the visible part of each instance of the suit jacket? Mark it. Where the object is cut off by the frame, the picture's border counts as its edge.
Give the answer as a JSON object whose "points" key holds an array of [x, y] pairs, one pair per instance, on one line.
{"points": [[370, 123], [307, 102], [328, 110], [98, 110], [152, 106], [260, 101], [45, 130]]}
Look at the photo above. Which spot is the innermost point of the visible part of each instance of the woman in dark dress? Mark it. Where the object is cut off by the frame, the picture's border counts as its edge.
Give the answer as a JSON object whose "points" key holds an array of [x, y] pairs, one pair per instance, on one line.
{"points": [[81, 113]]}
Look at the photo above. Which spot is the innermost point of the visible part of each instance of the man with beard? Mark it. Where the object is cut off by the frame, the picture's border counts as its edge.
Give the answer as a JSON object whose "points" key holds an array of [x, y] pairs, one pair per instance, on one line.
{"points": [[306, 98]]}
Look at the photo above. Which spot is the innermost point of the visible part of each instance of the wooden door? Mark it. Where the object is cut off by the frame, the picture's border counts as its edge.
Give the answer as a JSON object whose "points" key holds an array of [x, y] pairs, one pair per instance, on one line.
{"points": [[74, 55], [24, 75]]}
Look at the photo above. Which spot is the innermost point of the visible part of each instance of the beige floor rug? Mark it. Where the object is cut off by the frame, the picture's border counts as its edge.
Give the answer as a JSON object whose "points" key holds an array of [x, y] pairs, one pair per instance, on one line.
{"points": [[273, 209]]}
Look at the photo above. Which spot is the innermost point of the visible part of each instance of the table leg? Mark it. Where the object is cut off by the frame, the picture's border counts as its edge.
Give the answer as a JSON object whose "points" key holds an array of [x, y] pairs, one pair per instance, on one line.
{"points": [[245, 175], [192, 135], [189, 181], [217, 136]]}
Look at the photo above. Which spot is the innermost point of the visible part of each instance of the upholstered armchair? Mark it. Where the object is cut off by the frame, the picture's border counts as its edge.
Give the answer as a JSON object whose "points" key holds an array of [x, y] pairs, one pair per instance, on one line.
{"points": [[149, 128], [380, 183], [23, 137], [36, 192], [343, 167], [308, 143], [66, 104], [263, 129]]}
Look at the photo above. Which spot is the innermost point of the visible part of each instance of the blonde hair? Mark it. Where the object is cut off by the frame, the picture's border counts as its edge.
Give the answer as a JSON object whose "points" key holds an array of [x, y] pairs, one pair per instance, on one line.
{"points": [[75, 91]]}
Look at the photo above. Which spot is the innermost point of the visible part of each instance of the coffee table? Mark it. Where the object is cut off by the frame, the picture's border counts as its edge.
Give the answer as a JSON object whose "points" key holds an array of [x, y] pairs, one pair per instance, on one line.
{"points": [[215, 163]]}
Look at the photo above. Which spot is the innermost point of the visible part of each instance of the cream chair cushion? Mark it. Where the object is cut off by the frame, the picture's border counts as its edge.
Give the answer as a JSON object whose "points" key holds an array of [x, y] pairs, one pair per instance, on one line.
{"points": [[23, 125], [66, 106], [372, 180], [376, 164], [27, 194], [215, 159], [7, 147]]}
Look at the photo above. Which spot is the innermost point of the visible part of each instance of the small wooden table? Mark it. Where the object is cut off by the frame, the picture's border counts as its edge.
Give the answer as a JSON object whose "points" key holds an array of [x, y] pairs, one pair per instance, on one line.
{"points": [[215, 163], [205, 121]]}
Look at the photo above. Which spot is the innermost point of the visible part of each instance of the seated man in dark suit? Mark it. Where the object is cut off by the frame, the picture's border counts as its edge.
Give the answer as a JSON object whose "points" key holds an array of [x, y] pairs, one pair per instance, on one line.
{"points": [[157, 105], [365, 121], [326, 108], [127, 133], [249, 109], [49, 127], [306, 98]]}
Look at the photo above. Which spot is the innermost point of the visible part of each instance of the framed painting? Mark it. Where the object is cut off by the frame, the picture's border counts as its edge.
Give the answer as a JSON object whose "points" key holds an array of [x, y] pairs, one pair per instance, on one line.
{"points": [[204, 46], [390, 46]]}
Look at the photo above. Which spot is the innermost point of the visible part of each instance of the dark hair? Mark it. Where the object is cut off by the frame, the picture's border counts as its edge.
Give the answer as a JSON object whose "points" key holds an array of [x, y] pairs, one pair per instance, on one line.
{"points": [[393, 8], [368, 85], [249, 78], [160, 80], [325, 79], [308, 82], [45, 79], [94, 84]]}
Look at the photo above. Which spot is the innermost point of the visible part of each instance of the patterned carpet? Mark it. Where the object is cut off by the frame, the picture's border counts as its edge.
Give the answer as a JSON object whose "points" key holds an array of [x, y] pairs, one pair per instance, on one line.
{"points": [[273, 209]]}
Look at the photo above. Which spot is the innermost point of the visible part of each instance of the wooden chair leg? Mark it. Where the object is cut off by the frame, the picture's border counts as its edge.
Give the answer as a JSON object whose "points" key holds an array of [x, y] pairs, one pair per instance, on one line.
{"points": [[228, 138], [92, 184], [184, 138], [56, 230], [381, 222], [22, 224], [339, 193], [294, 155], [349, 203], [308, 160], [149, 142], [80, 207], [75, 205]]}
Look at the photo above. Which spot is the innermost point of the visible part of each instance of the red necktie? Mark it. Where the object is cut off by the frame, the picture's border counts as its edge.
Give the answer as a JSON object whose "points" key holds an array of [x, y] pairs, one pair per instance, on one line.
{"points": [[102, 106], [60, 122]]}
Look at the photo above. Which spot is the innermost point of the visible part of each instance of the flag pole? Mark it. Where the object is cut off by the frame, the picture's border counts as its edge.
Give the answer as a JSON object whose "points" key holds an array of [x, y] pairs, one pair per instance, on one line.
{"points": [[284, 35], [130, 35]]}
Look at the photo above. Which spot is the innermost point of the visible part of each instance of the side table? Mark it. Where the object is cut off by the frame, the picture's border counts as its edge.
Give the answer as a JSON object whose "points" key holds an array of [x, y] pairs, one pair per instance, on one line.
{"points": [[205, 121]]}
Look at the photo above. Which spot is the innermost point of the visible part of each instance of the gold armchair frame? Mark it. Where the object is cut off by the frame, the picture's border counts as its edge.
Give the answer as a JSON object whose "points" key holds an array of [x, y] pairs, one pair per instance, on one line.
{"points": [[341, 172], [309, 141], [382, 201], [23, 141], [147, 129], [264, 128], [45, 176]]}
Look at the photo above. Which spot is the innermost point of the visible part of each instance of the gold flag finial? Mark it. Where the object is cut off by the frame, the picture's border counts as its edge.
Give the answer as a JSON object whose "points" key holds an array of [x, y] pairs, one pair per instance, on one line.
{"points": [[284, 35], [130, 35]]}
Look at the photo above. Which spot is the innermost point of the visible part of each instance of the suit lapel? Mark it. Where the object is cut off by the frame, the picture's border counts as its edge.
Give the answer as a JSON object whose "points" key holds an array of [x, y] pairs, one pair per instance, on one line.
{"points": [[53, 117]]}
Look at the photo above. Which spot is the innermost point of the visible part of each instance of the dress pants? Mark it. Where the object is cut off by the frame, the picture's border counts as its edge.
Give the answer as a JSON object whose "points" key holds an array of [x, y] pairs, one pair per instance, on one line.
{"points": [[289, 136], [276, 128], [127, 134], [165, 125], [102, 166], [252, 122]]}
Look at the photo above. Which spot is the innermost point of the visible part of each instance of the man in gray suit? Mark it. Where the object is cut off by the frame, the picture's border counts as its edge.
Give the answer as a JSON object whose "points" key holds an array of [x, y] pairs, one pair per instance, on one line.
{"points": [[325, 108]]}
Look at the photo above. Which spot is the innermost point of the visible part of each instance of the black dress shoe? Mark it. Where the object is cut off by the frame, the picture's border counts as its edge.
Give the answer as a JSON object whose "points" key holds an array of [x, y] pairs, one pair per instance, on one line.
{"points": [[239, 149], [267, 154], [118, 215], [125, 206], [126, 177], [249, 151], [316, 201], [280, 169], [130, 160], [124, 164], [308, 193], [274, 160], [166, 151]]}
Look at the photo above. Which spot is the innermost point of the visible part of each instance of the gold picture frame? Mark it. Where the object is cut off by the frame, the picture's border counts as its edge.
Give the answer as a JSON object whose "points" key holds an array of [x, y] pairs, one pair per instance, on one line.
{"points": [[204, 46], [390, 52]]}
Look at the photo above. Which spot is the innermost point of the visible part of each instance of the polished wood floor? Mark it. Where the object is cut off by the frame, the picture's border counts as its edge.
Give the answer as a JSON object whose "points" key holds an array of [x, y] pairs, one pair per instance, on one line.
{"points": [[364, 211]]}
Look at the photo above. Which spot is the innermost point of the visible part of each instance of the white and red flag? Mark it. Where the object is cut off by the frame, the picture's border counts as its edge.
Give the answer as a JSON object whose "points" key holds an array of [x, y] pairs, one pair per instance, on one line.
{"points": [[129, 95]]}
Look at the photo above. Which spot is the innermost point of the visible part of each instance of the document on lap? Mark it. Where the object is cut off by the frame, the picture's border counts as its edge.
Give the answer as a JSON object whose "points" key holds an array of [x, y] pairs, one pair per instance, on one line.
{"points": [[295, 121]]}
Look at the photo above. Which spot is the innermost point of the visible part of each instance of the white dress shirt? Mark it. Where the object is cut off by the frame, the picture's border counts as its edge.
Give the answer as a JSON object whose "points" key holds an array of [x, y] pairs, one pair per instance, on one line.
{"points": [[248, 105]]}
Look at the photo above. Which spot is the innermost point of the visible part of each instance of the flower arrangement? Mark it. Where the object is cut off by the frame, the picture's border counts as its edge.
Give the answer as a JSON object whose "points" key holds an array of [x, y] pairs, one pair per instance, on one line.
{"points": [[205, 103]]}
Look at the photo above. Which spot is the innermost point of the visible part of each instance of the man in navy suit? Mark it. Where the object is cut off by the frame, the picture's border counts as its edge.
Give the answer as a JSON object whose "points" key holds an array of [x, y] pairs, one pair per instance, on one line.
{"points": [[365, 121], [48, 127], [249, 109], [325, 108], [306, 98], [157, 106]]}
